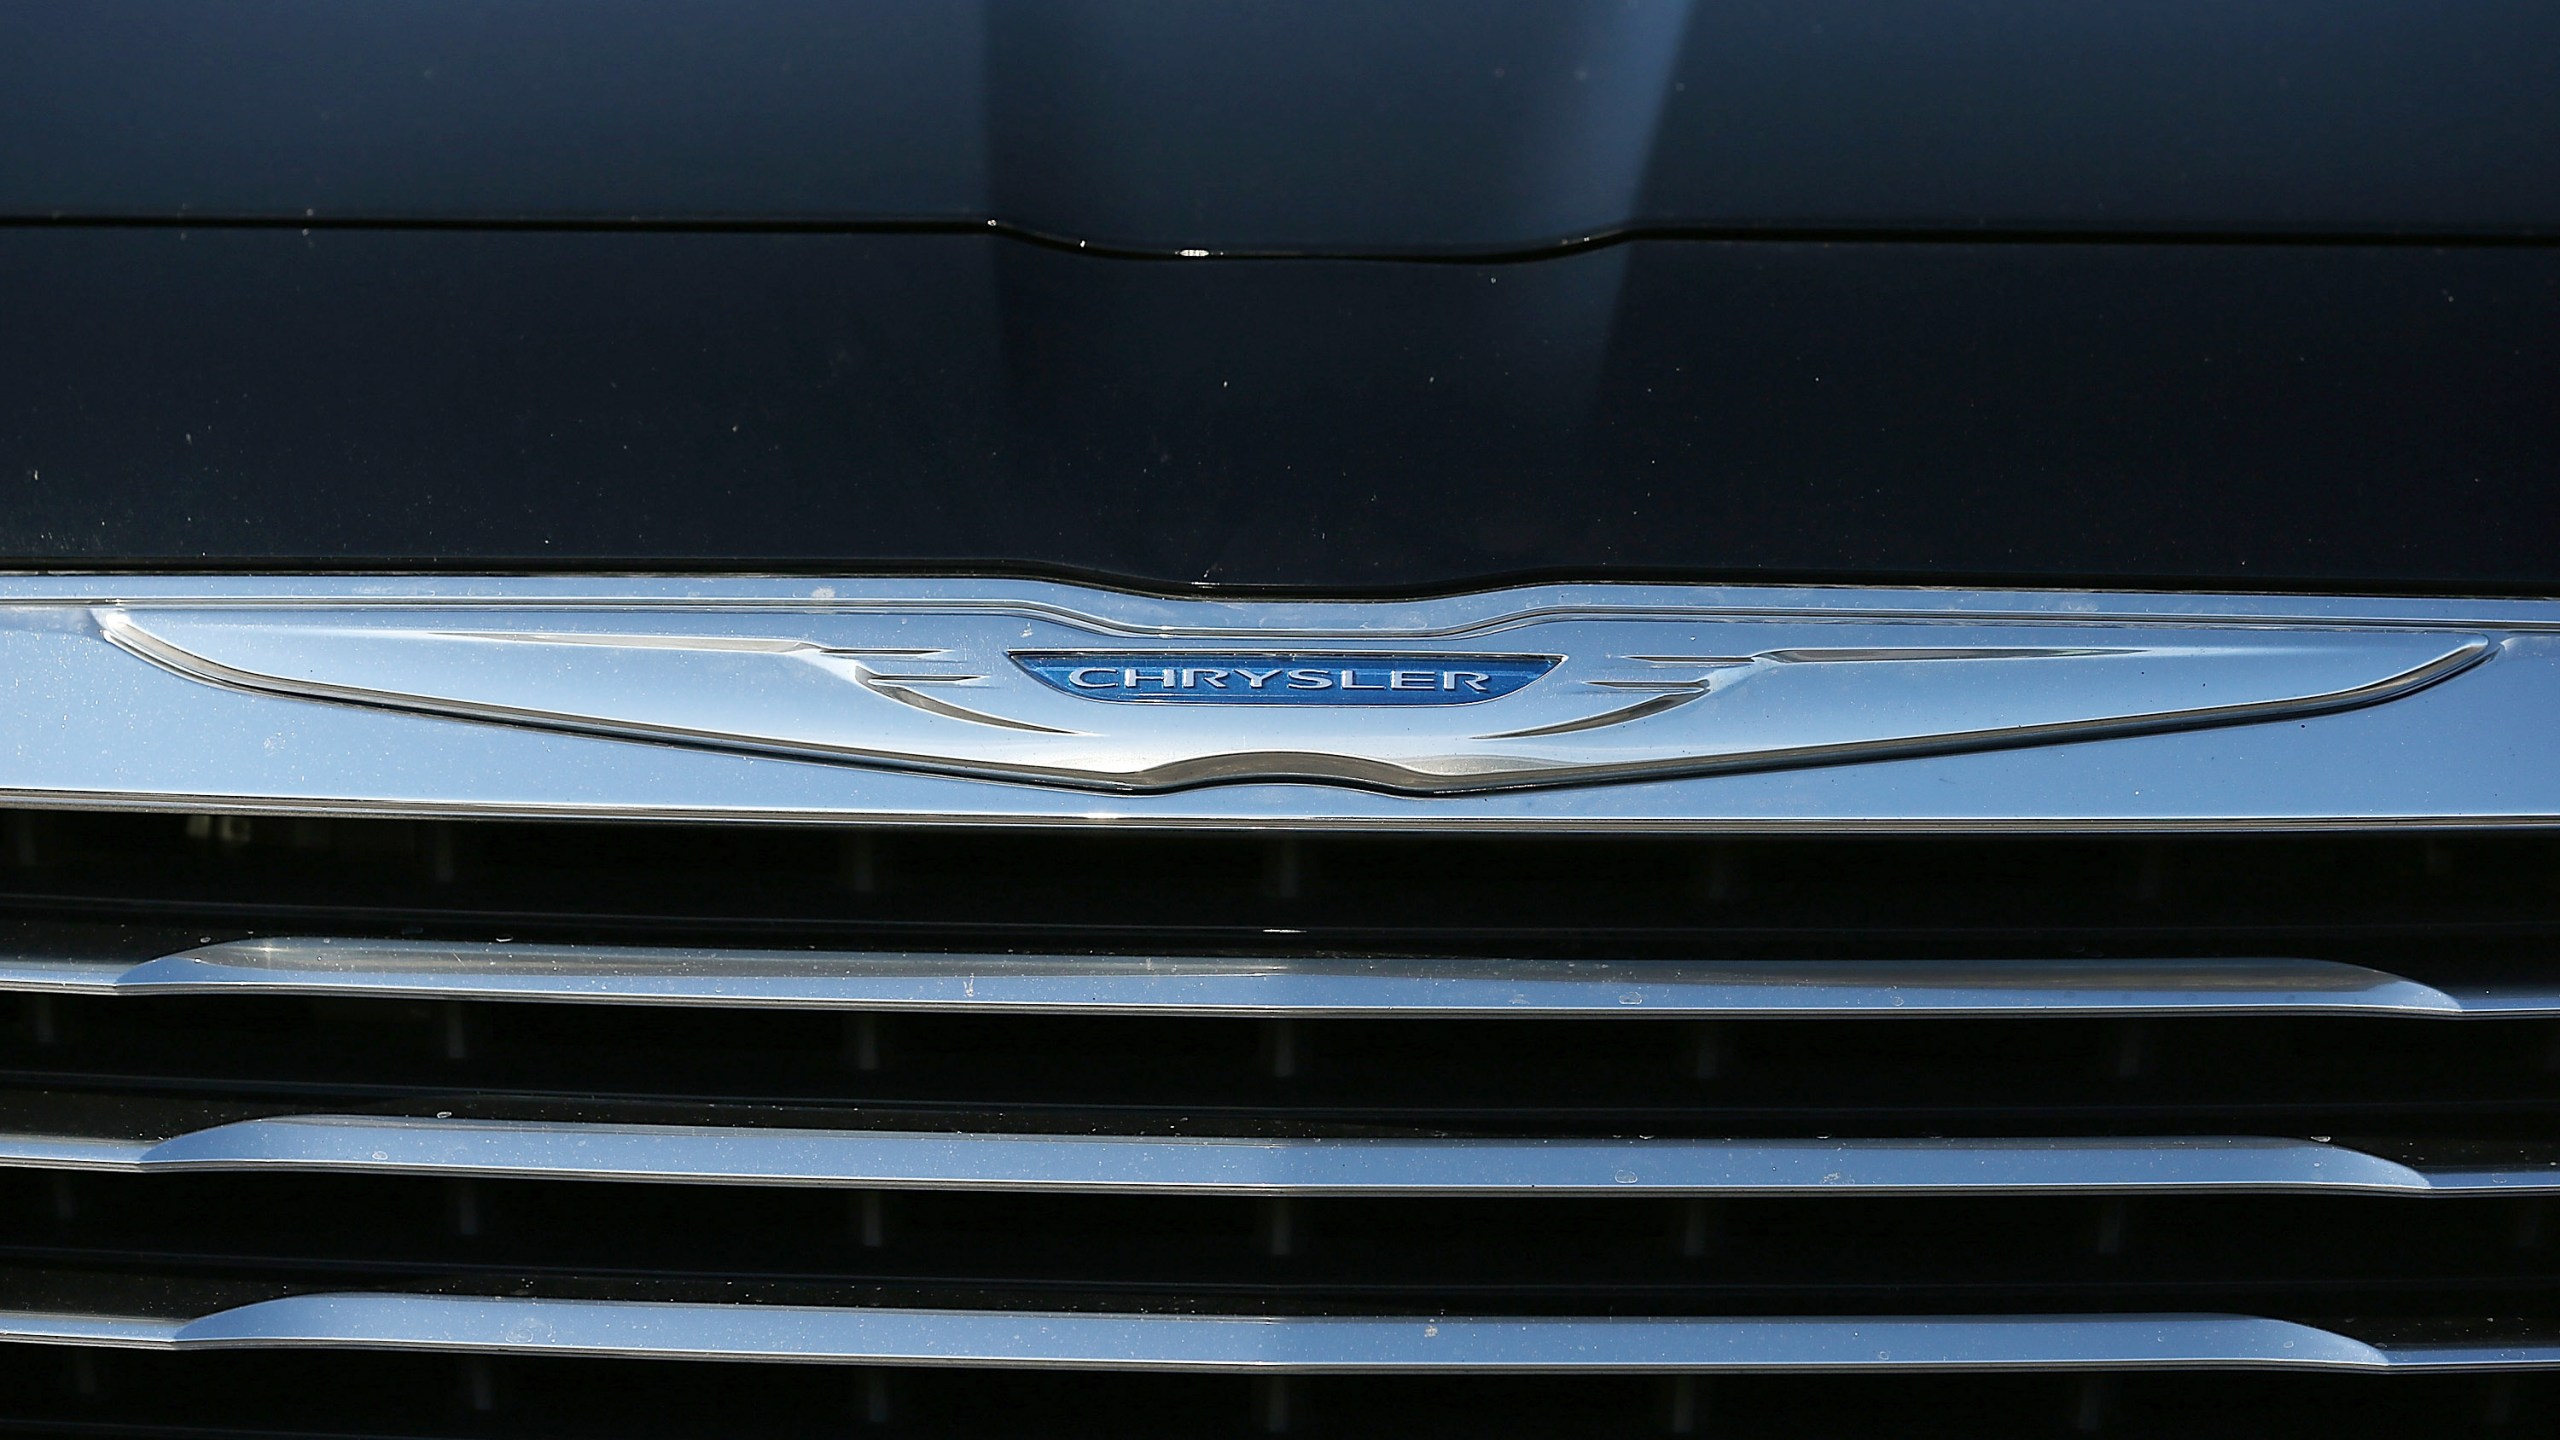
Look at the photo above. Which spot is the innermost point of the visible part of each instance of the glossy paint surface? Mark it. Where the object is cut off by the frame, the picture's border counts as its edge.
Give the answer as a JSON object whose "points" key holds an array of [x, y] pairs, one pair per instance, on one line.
{"points": [[2356, 418], [1331, 127], [2256, 295]]}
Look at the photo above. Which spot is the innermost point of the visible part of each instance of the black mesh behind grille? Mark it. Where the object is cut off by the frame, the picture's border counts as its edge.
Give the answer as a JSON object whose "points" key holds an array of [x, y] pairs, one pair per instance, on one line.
{"points": [[2449, 909], [2403, 898], [108, 1394]]}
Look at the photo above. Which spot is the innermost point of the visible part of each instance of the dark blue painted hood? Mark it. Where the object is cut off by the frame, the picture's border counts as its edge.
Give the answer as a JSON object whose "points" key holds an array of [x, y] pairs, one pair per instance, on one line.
{"points": [[2211, 293], [1341, 126]]}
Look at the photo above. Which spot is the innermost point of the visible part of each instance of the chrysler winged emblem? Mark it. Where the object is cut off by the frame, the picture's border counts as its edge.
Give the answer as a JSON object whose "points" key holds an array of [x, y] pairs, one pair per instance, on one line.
{"points": [[1050, 694]]}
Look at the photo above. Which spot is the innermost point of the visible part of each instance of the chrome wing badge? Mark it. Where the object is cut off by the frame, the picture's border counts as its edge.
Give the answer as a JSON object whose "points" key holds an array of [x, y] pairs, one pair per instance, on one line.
{"points": [[1049, 695]]}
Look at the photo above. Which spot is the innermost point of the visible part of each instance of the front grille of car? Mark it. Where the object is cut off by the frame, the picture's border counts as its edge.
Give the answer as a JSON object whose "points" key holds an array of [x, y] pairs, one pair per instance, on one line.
{"points": [[446, 1128]]}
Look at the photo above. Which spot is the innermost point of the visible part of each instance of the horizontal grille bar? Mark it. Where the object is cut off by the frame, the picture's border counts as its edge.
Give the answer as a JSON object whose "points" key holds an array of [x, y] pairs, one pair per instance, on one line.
{"points": [[1271, 985], [1123, 1164], [1297, 1344]]}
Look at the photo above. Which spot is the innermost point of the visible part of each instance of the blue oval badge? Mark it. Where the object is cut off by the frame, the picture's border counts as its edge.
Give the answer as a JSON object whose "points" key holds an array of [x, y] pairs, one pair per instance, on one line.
{"points": [[1284, 678]]}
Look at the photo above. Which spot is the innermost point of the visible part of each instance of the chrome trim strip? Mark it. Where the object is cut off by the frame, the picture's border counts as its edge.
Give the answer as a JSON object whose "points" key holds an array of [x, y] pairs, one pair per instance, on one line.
{"points": [[1267, 986], [95, 724], [1140, 1165], [1292, 1345], [1136, 613], [116, 1332]]}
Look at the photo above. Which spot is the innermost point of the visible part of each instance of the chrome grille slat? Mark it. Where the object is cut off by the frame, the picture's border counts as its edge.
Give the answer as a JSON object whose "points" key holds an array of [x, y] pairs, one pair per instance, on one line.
{"points": [[1271, 985], [1300, 1345], [1125, 1164]]}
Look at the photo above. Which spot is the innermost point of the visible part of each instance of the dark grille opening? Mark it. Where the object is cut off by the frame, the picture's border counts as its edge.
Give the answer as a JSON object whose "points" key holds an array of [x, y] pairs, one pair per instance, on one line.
{"points": [[2417, 1103], [134, 1064], [2403, 896], [178, 1245], [110, 1394]]}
